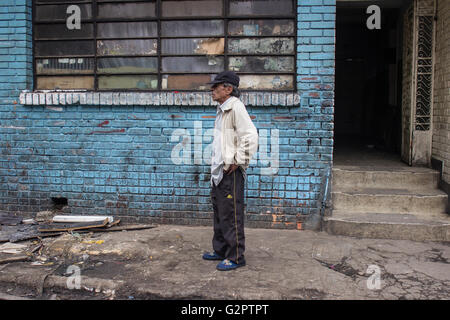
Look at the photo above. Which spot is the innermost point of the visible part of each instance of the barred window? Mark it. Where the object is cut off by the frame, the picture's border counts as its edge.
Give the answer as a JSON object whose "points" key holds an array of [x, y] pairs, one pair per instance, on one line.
{"points": [[160, 45]]}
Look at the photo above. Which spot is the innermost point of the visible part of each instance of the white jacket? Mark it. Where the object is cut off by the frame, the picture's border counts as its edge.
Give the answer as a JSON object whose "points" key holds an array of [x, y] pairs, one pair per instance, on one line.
{"points": [[239, 135]]}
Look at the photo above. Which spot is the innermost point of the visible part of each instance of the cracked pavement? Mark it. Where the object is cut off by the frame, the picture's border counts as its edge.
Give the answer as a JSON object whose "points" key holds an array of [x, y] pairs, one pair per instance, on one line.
{"points": [[165, 263]]}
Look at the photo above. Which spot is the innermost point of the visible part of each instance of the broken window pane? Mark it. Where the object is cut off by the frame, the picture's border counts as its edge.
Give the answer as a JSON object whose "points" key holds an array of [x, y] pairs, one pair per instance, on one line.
{"points": [[60, 31], [192, 64], [261, 64], [188, 28], [127, 65], [199, 8], [259, 82], [64, 48], [127, 30], [65, 82], [127, 47], [210, 46], [186, 82], [264, 45], [59, 12], [65, 66], [261, 28], [261, 7], [127, 10], [128, 82]]}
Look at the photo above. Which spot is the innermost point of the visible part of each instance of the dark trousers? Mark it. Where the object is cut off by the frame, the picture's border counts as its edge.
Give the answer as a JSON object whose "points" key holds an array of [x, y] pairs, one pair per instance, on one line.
{"points": [[228, 204]]}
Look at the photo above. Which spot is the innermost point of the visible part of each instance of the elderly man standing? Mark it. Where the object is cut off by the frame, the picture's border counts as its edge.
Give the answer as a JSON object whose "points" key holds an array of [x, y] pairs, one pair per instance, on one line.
{"points": [[235, 142]]}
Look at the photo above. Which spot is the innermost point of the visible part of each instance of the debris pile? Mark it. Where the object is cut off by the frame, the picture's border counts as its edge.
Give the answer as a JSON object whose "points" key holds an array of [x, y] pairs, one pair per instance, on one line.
{"points": [[14, 229]]}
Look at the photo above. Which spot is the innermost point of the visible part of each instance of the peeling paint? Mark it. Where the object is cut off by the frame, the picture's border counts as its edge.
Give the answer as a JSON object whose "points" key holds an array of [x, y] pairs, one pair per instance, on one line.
{"points": [[211, 46], [262, 64], [261, 28], [257, 46], [125, 47], [283, 82]]}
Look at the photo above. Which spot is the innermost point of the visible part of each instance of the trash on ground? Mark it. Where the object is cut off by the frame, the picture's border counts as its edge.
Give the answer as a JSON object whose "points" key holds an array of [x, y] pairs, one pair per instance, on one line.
{"points": [[93, 241], [12, 248]]}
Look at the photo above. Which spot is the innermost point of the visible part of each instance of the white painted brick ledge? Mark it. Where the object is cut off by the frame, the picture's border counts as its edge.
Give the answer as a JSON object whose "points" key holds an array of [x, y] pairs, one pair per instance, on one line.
{"points": [[53, 98]]}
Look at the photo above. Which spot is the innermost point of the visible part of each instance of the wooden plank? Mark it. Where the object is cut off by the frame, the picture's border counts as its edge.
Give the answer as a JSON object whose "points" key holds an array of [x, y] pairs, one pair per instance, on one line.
{"points": [[14, 259], [80, 219], [72, 226], [126, 228]]}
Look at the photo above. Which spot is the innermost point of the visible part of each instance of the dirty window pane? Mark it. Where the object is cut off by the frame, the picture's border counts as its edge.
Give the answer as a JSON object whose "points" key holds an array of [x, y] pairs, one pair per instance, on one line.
{"points": [[261, 64], [64, 48], [264, 45], [54, 83], [128, 82], [261, 28], [186, 82], [127, 10], [166, 44], [261, 82], [65, 1], [127, 65], [192, 64], [126, 47], [60, 31], [199, 8], [187, 28], [65, 66], [59, 12], [209, 46], [127, 30], [261, 7]]}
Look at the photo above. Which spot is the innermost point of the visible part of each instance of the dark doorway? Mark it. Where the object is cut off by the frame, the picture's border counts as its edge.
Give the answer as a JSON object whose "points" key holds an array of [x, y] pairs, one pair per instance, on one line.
{"points": [[368, 79]]}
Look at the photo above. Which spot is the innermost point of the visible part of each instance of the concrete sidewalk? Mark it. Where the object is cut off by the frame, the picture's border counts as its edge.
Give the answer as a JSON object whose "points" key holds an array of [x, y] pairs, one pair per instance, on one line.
{"points": [[165, 263]]}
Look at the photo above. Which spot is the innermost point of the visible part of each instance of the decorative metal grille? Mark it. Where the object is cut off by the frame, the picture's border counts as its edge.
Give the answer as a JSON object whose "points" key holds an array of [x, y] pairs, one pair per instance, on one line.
{"points": [[424, 72]]}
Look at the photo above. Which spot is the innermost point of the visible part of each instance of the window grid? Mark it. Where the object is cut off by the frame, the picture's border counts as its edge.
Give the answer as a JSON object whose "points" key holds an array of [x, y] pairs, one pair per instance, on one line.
{"points": [[225, 17]]}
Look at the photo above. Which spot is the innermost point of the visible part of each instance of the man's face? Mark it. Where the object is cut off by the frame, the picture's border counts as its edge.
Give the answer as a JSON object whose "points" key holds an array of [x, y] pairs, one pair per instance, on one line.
{"points": [[220, 93]]}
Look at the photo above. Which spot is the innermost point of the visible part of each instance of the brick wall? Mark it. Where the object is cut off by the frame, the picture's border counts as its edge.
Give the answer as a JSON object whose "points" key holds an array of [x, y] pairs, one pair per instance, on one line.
{"points": [[441, 109], [113, 153]]}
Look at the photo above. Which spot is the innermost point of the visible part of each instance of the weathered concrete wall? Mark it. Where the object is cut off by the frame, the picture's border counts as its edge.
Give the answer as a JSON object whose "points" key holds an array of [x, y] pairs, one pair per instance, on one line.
{"points": [[112, 154], [441, 108]]}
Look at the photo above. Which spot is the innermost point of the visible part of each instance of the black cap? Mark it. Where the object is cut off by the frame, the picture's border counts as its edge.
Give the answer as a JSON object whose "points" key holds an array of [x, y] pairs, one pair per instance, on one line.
{"points": [[228, 77]]}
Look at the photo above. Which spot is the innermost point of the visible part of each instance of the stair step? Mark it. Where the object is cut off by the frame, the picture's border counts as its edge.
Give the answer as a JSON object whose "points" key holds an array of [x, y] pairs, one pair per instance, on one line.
{"points": [[414, 178], [390, 201], [389, 226]]}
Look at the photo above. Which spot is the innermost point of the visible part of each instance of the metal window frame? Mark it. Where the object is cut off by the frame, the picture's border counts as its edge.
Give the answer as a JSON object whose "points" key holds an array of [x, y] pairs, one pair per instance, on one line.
{"points": [[225, 17]]}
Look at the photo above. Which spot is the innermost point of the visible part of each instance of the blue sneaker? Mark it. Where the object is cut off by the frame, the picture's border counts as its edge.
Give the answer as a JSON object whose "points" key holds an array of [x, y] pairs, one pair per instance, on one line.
{"points": [[212, 256], [227, 264]]}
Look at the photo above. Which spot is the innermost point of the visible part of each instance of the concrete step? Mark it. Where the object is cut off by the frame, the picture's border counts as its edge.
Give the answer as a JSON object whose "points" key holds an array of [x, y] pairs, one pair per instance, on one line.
{"points": [[390, 201], [410, 178], [435, 227]]}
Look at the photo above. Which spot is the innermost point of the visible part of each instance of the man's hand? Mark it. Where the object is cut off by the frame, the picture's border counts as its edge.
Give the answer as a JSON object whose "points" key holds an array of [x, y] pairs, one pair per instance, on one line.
{"points": [[232, 168]]}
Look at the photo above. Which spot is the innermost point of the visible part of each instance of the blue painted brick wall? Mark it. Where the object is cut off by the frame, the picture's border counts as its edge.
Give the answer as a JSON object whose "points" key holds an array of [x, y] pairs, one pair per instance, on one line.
{"points": [[117, 159]]}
